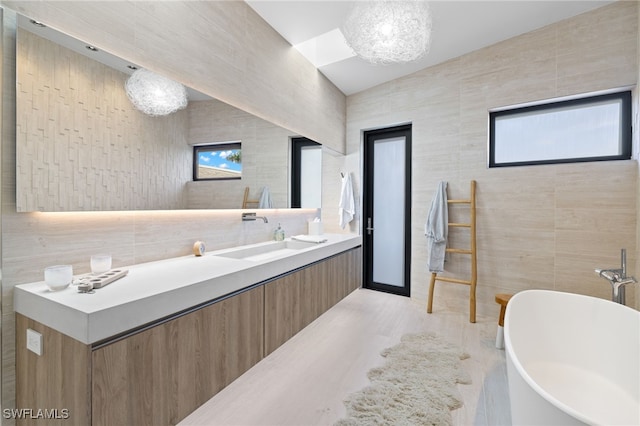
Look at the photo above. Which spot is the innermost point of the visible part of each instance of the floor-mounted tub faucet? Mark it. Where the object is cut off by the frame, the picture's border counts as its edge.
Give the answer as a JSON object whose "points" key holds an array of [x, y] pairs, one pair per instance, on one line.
{"points": [[252, 216], [618, 278]]}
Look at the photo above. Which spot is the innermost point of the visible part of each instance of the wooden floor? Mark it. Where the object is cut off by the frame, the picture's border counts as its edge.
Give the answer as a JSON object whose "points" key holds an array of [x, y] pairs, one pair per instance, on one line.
{"points": [[304, 381]]}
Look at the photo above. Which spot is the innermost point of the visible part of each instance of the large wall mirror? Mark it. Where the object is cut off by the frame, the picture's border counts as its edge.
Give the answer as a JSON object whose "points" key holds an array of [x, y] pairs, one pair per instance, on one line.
{"points": [[82, 146]]}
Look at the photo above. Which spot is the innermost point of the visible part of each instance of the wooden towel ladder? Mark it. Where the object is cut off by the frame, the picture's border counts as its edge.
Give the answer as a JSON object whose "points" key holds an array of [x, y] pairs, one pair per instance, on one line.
{"points": [[246, 201], [470, 251]]}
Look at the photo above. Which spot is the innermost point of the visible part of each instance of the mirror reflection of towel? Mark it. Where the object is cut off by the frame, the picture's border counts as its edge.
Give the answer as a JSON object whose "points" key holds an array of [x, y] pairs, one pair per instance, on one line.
{"points": [[265, 199], [347, 209], [436, 229], [310, 238]]}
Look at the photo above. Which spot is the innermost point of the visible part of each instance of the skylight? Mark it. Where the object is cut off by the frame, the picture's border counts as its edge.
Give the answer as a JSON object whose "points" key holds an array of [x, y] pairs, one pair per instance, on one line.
{"points": [[326, 48]]}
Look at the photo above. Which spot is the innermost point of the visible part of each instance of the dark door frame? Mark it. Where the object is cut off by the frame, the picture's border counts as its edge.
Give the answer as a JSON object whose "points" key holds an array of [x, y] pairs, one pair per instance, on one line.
{"points": [[368, 153], [297, 144]]}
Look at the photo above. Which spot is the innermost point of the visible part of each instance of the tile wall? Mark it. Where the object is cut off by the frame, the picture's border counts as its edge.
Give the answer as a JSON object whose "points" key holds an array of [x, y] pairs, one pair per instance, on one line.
{"points": [[540, 226], [32, 241], [229, 52], [81, 144]]}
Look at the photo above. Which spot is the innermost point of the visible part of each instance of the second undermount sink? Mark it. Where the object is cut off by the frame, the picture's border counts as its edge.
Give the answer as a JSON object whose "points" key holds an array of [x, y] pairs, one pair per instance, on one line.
{"points": [[266, 251]]}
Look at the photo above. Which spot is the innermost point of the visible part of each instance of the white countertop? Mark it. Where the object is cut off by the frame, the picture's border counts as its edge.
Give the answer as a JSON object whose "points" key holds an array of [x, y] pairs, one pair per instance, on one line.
{"points": [[155, 290]]}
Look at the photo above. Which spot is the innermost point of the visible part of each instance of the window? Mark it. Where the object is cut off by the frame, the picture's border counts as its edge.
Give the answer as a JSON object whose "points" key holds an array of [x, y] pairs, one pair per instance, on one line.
{"points": [[587, 129], [217, 161]]}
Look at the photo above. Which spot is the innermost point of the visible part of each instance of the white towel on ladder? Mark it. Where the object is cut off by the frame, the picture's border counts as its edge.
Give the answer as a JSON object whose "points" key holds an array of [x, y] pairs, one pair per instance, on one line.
{"points": [[265, 199], [436, 229], [346, 208]]}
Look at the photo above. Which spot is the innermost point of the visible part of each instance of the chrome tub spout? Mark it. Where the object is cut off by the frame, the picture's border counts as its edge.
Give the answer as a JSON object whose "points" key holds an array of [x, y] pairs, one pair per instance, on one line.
{"points": [[618, 279]]}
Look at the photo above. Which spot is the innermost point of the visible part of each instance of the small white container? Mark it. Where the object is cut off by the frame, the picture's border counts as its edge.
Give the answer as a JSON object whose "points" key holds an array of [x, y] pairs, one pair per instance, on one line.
{"points": [[58, 277], [315, 228], [100, 263]]}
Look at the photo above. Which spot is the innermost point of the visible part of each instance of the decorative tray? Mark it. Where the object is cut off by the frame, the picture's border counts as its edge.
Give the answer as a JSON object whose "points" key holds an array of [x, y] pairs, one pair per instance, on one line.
{"points": [[99, 281]]}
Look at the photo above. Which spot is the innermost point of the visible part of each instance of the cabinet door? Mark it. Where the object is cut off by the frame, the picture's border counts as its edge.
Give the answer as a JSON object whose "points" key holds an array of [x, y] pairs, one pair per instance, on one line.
{"points": [[297, 299], [162, 374], [57, 381], [353, 279], [343, 275]]}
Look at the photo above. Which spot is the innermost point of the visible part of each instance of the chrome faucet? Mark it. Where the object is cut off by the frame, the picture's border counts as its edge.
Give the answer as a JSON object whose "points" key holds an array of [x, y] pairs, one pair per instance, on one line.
{"points": [[618, 278], [252, 216]]}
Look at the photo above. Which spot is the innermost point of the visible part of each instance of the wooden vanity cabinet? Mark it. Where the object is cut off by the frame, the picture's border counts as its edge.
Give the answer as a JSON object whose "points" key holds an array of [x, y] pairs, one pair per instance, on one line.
{"points": [[159, 375], [59, 380], [162, 374], [152, 377], [294, 301]]}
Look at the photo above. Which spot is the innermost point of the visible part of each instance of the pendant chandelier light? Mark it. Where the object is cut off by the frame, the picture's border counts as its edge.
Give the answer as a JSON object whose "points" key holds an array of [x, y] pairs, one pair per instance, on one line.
{"points": [[154, 94], [389, 31]]}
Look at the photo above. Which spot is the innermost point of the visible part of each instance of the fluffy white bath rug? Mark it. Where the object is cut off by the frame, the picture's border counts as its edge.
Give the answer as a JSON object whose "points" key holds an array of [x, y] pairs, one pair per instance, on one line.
{"points": [[416, 386]]}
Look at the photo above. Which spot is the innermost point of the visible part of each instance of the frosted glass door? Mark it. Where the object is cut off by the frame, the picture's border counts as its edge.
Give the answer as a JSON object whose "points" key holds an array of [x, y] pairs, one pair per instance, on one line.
{"points": [[386, 204], [389, 211]]}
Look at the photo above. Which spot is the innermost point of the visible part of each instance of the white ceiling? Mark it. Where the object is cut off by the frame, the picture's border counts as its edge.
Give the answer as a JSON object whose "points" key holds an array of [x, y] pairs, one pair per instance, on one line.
{"points": [[459, 27]]}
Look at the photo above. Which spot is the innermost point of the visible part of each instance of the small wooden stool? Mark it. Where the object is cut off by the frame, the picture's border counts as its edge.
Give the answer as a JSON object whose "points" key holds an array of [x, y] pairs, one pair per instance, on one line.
{"points": [[502, 299]]}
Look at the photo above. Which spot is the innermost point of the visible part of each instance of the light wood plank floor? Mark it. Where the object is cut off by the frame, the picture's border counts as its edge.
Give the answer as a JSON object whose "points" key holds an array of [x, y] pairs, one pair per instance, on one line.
{"points": [[305, 380]]}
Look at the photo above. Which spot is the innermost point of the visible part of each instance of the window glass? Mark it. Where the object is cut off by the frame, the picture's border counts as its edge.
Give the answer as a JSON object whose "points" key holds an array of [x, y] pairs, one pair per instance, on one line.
{"points": [[587, 129], [217, 161]]}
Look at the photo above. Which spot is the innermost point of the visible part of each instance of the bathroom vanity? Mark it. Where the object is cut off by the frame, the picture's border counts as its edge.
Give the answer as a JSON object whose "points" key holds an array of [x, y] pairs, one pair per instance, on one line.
{"points": [[153, 346]]}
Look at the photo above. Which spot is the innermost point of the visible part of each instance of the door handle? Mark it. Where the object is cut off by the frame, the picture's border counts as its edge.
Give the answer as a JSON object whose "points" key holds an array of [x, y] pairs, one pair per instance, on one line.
{"points": [[369, 228]]}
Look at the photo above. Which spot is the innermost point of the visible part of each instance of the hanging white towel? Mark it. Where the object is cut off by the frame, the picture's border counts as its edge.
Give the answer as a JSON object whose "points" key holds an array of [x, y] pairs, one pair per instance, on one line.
{"points": [[436, 229], [347, 209], [265, 199]]}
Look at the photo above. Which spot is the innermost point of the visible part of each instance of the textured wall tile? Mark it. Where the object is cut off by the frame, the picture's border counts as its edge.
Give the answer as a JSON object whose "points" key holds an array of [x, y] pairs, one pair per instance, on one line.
{"points": [[538, 226], [229, 53], [81, 145]]}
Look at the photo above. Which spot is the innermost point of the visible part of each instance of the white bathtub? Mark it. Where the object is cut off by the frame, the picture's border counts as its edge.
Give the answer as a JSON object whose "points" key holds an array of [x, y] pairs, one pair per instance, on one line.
{"points": [[572, 360]]}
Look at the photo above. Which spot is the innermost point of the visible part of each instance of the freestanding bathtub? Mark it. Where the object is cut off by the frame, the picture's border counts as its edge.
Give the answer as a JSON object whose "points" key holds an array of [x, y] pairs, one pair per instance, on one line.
{"points": [[572, 360]]}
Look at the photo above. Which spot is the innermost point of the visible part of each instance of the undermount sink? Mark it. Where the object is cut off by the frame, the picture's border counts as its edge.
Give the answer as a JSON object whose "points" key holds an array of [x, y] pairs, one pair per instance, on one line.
{"points": [[266, 251]]}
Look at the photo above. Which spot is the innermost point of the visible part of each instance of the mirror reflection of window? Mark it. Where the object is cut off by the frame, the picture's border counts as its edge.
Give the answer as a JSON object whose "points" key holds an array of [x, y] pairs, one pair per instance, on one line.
{"points": [[217, 161], [306, 173]]}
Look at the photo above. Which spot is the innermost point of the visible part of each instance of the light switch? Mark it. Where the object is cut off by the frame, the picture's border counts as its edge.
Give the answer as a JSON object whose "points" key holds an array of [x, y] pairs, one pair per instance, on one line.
{"points": [[34, 341]]}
